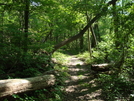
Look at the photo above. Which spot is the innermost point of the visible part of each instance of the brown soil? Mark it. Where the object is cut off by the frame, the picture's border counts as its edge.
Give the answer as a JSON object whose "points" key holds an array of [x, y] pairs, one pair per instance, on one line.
{"points": [[81, 85]]}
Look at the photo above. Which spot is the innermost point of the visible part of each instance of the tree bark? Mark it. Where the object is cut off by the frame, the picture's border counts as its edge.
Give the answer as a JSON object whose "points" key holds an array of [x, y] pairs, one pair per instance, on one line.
{"points": [[26, 20], [103, 12], [89, 36], [94, 40], [14, 86], [116, 26], [96, 30], [2, 24], [81, 42], [101, 67]]}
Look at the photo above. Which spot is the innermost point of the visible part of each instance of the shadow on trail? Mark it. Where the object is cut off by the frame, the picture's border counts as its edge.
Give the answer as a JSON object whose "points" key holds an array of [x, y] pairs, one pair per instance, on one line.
{"points": [[81, 85]]}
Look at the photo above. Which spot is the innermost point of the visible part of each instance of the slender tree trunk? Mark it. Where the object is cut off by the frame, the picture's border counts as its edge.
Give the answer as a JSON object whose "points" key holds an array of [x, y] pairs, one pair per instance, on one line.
{"points": [[102, 12], [94, 40], [1, 30], [89, 36], [96, 30], [116, 32], [26, 20], [81, 42], [118, 40], [89, 44]]}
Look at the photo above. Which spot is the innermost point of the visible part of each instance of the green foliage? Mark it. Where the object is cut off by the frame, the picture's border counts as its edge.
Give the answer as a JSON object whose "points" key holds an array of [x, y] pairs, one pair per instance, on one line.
{"points": [[37, 95], [115, 88], [52, 21], [13, 60], [86, 57], [61, 58]]}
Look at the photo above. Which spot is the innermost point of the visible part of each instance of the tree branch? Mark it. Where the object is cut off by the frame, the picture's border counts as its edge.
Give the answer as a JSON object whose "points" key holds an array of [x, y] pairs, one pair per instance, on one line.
{"points": [[101, 13]]}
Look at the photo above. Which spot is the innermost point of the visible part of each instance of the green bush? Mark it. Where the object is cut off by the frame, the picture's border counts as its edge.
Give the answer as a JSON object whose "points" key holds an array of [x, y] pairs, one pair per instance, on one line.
{"points": [[14, 61], [115, 88]]}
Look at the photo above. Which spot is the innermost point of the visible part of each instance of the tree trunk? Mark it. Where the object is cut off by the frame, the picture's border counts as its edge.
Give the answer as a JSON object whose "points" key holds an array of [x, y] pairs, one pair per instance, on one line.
{"points": [[1, 30], [89, 45], [14, 86], [26, 20], [94, 40], [116, 26], [89, 36], [81, 43], [101, 67], [103, 12], [96, 30]]}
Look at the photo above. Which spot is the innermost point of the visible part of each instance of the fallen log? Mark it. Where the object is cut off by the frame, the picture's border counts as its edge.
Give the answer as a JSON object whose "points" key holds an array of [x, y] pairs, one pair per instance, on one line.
{"points": [[101, 67], [14, 86]]}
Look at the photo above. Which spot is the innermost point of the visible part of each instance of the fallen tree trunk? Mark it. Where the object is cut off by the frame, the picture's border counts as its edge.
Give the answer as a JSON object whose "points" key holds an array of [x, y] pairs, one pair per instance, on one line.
{"points": [[101, 67], [14, 86], [81, 33]]}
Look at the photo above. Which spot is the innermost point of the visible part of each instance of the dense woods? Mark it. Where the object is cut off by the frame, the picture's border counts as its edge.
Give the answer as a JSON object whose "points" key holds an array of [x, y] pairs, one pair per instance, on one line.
{"points": [[33, 32]]}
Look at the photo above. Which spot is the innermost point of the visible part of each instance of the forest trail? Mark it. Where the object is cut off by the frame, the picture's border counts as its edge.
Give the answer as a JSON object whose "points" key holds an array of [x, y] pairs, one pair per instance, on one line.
{"points": [[80, 85]]}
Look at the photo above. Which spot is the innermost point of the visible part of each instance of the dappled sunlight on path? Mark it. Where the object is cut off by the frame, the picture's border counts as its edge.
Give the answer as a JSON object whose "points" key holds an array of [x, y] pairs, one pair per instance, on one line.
{"points": [[80, 85], [75, 61]]}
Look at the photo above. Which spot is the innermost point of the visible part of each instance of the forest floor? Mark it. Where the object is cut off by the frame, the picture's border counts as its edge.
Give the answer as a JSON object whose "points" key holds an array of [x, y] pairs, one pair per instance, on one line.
{"points": [[81, 84]]}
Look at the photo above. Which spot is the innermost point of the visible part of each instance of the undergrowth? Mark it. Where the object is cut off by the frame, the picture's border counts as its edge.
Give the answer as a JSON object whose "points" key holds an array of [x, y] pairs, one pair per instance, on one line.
{"points": [[61, 58], [116, 87], [53, 93], [31, 65]]}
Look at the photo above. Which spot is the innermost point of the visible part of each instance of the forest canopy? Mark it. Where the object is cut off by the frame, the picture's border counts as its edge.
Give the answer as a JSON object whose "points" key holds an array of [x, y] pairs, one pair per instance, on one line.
{"points": [[31, 31]]}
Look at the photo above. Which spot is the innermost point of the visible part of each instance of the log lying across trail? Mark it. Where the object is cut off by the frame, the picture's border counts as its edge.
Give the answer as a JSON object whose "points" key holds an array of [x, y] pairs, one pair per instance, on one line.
{"points": [[14, 86], [101, 67]]}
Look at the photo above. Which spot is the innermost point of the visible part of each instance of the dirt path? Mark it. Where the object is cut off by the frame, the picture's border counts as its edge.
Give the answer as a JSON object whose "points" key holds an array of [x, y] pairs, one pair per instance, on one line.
{"points": [[80, 85]]}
